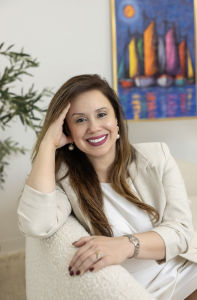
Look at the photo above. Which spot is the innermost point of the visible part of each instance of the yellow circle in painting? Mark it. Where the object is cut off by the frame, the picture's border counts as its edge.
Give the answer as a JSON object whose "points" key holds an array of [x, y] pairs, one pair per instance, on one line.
{"points": [[129, 11]]}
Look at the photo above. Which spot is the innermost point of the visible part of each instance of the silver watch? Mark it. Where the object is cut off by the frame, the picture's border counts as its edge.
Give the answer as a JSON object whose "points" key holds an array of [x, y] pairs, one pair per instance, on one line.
{"points": [[133, 239]]}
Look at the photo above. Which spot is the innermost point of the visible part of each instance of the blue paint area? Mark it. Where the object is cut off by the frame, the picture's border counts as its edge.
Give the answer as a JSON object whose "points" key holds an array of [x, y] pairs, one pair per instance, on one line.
{"points": [[156, 102]]}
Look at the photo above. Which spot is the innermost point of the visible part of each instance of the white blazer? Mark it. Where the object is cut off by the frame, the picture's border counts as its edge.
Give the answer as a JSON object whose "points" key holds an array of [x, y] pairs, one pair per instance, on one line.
{"points": [[158, 182]]}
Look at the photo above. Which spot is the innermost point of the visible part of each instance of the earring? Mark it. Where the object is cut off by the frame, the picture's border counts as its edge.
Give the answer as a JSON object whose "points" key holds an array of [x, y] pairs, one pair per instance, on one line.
{"points": [[118, 136], [71, 147]]}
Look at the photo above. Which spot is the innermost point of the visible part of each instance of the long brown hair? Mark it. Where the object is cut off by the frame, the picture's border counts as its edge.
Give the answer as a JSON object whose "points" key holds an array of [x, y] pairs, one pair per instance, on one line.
{"points": [[82, 175]]}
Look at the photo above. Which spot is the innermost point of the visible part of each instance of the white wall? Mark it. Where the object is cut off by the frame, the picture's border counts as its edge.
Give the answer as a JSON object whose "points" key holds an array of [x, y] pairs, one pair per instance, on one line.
{"points": [[68, 37]]}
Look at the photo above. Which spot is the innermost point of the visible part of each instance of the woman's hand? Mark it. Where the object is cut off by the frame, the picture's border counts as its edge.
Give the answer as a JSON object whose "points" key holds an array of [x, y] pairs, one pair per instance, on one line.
{"points": [[114, 251], [54, 134]]}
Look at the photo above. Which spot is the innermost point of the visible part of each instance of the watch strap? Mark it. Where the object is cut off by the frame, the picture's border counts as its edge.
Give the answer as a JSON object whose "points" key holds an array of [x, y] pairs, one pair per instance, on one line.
{"points": [[134, 240]]}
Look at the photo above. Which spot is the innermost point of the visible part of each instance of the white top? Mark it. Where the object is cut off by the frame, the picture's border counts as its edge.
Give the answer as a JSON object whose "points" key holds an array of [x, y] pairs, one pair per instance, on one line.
{"points": [[159, 280]]}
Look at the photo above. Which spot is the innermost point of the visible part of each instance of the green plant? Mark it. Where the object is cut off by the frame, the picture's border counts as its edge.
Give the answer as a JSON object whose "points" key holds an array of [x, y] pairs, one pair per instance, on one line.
{"points": [[23, 105]]}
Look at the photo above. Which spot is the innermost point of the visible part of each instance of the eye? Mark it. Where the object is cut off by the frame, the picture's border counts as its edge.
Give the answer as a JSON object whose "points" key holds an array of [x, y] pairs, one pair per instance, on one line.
{"points": [[80, 120], [102, 115]]}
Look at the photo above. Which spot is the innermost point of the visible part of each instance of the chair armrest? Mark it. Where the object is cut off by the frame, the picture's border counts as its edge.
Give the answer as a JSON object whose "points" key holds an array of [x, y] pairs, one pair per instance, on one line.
{"points": [[47, 275]]}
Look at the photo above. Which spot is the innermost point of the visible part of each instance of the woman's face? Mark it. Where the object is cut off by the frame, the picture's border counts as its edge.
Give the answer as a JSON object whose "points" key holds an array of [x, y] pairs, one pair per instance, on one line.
{"points": [[93, 124]]}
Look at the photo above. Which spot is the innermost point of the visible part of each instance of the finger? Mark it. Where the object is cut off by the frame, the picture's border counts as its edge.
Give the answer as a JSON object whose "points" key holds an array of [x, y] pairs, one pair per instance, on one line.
{"points": [[84, 262], [84, 247], [64, 112], [103, 262], [83, 240]]}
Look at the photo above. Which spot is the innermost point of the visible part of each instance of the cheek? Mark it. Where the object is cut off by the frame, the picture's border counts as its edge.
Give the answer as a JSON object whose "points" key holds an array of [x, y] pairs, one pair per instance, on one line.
{"points": [[112, 127], [77, 133]]}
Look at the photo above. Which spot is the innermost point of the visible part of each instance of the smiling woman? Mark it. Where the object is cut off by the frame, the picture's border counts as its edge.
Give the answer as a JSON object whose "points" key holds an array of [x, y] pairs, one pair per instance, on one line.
{"points": [[88, 108], [92, 123], [130, 198]]}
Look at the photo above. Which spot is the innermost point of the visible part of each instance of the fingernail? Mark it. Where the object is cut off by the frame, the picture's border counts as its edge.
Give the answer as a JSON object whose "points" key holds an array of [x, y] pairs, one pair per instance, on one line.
{"points": [[74, 242], [71, 273], [69, 269], [91, 269], [78, 272]]}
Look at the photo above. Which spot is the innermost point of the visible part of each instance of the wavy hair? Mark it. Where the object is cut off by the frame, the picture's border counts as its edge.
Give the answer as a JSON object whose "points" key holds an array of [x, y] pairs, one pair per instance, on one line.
{"points": [[82, 175]]}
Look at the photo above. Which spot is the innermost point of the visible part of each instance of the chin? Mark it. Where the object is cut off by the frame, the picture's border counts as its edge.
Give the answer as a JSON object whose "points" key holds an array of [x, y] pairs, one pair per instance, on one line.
{"points": [[100, 152]]}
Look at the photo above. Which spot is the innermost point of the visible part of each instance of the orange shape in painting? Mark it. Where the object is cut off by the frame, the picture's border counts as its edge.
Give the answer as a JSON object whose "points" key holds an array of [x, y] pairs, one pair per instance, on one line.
{"points": [[129, 11]]}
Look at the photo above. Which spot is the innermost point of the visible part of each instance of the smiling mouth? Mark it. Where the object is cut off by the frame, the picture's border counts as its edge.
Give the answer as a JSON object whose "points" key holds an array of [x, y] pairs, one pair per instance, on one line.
{"points": [[97, 142]]}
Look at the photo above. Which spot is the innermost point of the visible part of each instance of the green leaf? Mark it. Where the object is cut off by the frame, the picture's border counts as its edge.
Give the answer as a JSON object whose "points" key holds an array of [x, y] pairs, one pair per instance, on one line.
{"points": [[9, 47], [21, 118]]}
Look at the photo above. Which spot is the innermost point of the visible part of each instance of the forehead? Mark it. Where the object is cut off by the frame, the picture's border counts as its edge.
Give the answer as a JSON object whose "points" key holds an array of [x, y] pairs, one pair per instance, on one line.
{"points": [[91, 99]]}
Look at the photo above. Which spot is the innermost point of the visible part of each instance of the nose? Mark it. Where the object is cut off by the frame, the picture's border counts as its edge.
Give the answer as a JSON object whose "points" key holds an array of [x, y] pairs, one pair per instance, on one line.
{"points": [[93, 126]]}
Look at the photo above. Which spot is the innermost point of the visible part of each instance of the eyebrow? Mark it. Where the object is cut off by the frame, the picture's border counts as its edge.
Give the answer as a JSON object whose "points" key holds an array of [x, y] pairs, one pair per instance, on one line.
{"points": [[84, 114]]}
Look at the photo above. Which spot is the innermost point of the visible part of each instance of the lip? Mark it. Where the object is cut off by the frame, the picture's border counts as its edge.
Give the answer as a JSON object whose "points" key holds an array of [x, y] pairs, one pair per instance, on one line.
{"points": [[96, 137], [99, 143]]}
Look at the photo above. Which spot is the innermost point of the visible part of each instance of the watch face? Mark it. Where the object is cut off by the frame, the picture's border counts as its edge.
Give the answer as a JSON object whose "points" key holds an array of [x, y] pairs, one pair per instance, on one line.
{"points": [[134, 240]]}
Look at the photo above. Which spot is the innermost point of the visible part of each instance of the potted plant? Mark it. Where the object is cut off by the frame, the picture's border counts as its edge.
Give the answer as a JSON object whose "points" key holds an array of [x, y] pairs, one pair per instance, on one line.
{"points": [[13, 105]]}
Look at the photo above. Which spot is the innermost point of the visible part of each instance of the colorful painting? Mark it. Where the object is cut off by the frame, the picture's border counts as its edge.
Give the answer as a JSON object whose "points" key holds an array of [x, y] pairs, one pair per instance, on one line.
{"points": [[154, 64]]}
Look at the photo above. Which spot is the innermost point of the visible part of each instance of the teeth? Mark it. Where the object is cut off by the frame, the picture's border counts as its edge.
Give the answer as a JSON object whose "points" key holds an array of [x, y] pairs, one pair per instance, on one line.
{"points": [[98, 140]]}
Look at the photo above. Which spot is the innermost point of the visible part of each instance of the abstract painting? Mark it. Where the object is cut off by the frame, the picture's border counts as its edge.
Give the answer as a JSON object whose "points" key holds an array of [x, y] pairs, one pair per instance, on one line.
{"points": [[154, 61]]}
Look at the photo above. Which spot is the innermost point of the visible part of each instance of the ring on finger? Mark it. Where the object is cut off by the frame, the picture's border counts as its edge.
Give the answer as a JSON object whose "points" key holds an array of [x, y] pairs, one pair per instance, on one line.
{"points": [[98, 255]]}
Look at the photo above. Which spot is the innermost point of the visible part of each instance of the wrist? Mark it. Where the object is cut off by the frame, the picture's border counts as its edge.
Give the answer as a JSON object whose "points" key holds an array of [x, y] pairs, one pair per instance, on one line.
{"points": [[129, 246], [46, 145]]}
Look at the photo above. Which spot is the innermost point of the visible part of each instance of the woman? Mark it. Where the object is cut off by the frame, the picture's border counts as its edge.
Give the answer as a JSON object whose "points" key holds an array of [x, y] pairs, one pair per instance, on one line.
{"points": [[131, 198]]}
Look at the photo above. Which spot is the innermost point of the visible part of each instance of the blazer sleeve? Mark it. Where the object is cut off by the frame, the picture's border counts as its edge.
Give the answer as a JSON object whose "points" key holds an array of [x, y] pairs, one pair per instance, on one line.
{"points": [[40, 215], [176, 227]]}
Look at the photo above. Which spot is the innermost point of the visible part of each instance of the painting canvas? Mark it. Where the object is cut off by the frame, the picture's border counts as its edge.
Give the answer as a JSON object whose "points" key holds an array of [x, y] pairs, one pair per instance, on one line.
{"points": [[154, 64]]}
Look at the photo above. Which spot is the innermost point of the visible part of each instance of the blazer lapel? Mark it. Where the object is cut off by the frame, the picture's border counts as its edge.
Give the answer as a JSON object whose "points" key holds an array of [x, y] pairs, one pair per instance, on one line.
{"points": [[148, 184]]}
